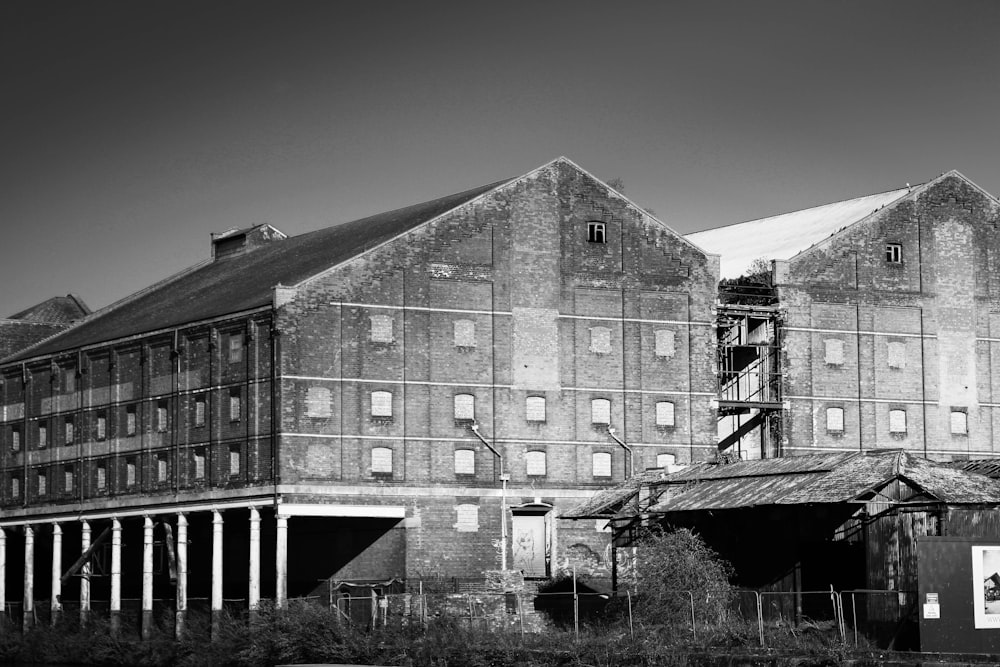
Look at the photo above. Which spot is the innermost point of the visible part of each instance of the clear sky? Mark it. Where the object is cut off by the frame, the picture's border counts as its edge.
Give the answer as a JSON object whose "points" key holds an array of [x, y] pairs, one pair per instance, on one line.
{"points": [[130, 131]]}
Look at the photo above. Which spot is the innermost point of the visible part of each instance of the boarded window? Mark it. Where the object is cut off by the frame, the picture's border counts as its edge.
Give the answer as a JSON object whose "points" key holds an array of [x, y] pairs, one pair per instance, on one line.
{"points": [[897, 354], [161, 415], [467, 518], [897, 421], [381, 460], [130, 420], [15, 487], [69, 380], [130, 472], [70, 432], [382, 404], [234, 461], [102, 476], [602, 464], [42, 484], [102, 426], [68, 479], [834, 351], [465, 333], [835, 420], [465, 462], [535, 462], [534, 408], [15, 438], [318, 402], [665, 460], [235, 348], [199, 411], [664, 413], [381, 328], [161, 467], [235, 402], [959, 422], [664, 344], [43, 435], [199, 463], [600, 340], [600, 411], [465, 407]]}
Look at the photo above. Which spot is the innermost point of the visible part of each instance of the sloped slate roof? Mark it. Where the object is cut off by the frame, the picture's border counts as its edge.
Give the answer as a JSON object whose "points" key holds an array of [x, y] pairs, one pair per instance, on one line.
{"points": [[244, 282], [784, 236], [57, 310], [608, 502], [835, 478]]}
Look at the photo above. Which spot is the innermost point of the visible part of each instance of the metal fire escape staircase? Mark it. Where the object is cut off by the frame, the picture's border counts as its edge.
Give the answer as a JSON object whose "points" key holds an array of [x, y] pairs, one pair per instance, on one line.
{"points": [[749, 379]]}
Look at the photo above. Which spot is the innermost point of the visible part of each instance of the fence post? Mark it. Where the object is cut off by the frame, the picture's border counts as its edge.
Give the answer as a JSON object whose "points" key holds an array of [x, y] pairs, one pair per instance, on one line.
{"points": [[520, 615], [468, 598], [694, 632], [576, 608], [760, 617], [854, 619], [631, 630]]}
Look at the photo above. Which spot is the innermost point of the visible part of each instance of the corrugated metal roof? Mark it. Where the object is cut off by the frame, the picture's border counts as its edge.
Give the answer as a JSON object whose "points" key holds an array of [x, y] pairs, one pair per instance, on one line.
{"points": [[988, 467], [824, 479], [245, 281], [786, 235], [607, 502]]}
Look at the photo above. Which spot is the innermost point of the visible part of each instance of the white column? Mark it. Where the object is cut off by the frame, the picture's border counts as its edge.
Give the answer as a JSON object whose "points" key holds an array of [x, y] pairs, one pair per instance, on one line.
{"points": [[85, 573], [182, 575], [55, 603], [28, 618], [253, 597], [147, 577], [116, 574], [3, 577], [216, 571], [281, 563]]}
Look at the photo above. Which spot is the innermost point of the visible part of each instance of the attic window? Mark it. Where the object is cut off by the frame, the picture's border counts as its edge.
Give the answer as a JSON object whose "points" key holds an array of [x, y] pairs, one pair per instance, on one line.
{"points": [[595, 232], [893, 253]]}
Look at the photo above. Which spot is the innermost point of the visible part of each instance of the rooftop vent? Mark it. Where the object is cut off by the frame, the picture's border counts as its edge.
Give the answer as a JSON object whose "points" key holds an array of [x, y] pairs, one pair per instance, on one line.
{"points": [[239, 241]]}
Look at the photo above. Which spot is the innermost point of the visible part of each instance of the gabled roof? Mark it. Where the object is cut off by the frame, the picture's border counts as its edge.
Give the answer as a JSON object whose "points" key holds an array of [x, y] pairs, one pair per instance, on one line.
{"points": [[786, 235], [796, 480], [244, 282], [824, 479], [57, 310]]}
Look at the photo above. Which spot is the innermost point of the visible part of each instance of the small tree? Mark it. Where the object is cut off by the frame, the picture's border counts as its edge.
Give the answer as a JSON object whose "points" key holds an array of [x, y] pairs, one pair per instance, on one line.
{"points": [[670, 563]]}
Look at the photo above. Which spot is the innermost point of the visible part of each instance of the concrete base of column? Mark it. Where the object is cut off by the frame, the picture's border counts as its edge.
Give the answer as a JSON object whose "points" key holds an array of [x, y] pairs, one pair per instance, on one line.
{"points": [[180, 620], [216, 624], [116, 622], [147, 624]]}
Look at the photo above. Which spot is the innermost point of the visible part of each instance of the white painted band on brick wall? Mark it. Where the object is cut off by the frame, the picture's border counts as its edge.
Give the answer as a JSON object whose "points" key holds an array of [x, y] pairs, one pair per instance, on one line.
{"points": [[855, 399], [855, 332], [510, 441], [971, 453], [367, 511]]}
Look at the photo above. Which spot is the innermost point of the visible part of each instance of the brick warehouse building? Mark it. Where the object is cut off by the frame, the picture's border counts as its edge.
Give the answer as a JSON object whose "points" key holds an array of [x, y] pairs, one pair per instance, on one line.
{"points": [[413, 394], [878, 326]]}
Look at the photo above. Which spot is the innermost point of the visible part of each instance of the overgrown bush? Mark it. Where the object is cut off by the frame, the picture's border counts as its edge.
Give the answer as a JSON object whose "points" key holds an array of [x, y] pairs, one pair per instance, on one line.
{"points": [[669, 564]]}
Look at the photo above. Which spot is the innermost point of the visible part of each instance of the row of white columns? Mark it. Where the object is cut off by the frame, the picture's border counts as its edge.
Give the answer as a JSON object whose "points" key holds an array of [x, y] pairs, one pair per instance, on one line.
{"points": [[253, 594]]}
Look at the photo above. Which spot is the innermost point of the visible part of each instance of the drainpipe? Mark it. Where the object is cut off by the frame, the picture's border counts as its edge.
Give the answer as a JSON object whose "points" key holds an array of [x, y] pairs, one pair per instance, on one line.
{"points": [[629, 460], [503, 496]]}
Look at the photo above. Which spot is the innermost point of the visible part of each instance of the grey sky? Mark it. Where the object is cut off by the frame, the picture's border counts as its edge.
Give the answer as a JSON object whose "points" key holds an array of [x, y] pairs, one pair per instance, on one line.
{"points": [[132, 130]]}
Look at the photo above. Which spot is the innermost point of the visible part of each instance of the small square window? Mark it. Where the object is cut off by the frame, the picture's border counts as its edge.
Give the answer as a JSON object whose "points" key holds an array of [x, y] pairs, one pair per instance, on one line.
{"points": [[602, 464], [893, 253], [467, 518], [600, 411], [465, 333], [897, 421], [465, 462], [833, 351], [130, 420], [534, 408], [664, 413], [835, 420], [381, 460], [665, 460], [596, 232], [381, 328], [959, 423], [199, 411], [600, 340], [465, 407], [535, 463], [235, 348], [896, 352], [664, 343], [319, 403], [382, 404]]}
